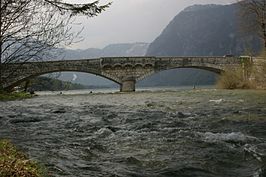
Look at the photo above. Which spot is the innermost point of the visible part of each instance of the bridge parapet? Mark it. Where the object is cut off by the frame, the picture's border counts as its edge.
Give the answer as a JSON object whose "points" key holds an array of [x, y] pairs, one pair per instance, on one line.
{"points": [[127, 61], [214, 64]]}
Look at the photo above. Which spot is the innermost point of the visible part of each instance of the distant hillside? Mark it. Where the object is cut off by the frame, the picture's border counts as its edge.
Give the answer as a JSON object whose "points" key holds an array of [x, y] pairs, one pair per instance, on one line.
{"points": [[200, 30], [51, 84], [112, 50]]}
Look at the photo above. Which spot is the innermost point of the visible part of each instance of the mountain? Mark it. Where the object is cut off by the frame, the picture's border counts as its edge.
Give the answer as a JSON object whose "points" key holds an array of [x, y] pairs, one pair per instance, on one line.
{"points": [[200, 30], [204, 30], [113, 50], [116, 50]]}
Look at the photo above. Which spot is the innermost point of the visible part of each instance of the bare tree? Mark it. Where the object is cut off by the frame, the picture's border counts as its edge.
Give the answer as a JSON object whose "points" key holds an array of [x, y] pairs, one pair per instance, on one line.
{"points": [[32, 29], [254, 14]]}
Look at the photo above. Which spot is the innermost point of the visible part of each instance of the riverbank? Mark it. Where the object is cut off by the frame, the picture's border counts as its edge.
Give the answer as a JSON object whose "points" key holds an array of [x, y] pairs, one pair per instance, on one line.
{"points": [[15, 163], [5, 96]]}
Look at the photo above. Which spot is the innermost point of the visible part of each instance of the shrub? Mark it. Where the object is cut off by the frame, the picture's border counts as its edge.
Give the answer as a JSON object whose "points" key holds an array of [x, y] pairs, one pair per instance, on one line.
{"points": [[233, 78], [6, 96]]}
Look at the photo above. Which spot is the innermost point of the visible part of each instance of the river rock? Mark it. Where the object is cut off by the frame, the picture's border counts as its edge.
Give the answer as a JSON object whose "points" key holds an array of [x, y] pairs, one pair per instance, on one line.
{"points": [[60, 111], [104, 132], [25, 120], [183, 115]]}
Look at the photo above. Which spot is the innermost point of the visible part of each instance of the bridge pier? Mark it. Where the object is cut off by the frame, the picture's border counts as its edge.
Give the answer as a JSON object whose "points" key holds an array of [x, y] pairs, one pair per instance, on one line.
{"points": [[128, 85]]}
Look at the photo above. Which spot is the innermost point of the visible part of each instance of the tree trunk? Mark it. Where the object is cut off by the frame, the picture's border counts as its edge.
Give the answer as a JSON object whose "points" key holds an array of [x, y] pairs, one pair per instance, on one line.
{"points": [[1, 80], [27, 83], [1, 44], [263, 25]]}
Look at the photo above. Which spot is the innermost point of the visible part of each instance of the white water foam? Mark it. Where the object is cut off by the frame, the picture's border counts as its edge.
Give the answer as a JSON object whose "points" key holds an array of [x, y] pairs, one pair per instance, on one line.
{"points": [[227, 137]]}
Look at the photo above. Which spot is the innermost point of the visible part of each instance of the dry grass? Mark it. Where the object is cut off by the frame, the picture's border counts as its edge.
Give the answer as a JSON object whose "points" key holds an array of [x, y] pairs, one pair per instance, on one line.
{"points": [[253, 78], [233, 78], [15, 164]]}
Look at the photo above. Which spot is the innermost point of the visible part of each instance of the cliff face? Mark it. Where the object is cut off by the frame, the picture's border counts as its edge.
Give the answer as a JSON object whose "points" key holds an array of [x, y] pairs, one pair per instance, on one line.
{"points": [[204, 30], [200, 30]]}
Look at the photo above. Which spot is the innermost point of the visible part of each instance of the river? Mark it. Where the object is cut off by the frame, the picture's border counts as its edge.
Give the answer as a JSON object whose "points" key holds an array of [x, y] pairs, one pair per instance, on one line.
{"points": [[171, 133]]}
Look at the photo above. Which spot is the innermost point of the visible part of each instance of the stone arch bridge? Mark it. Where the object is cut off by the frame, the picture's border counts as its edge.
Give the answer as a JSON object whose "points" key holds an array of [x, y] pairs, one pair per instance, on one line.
{"points": [[125, 71]]}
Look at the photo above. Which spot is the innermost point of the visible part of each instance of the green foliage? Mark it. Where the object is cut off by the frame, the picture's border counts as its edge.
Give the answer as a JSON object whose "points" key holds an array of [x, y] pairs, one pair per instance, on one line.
{"points": [[16, 164], [6, 96]]}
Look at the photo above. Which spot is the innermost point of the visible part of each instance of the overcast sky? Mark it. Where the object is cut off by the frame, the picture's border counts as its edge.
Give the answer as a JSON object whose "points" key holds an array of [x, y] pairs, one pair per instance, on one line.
{"points": [[129, 21]]}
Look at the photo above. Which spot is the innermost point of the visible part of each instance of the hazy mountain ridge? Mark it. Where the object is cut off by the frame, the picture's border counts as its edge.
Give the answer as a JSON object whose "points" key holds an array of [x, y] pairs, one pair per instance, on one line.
{"points": [[200, 30], [197, 7], [112, 50]]}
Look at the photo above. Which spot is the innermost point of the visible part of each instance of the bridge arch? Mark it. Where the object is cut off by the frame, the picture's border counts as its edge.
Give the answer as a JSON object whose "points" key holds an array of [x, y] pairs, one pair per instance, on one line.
{"points": [[26, 77], [107, 67], [211, 69], [118, 66], [148, 65], [138, 65], [128, 65]]}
